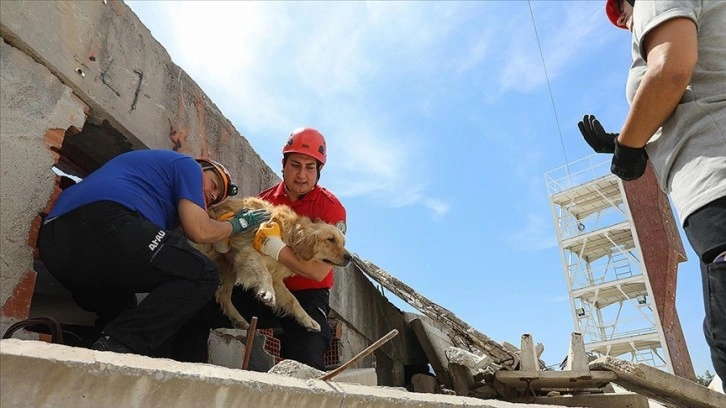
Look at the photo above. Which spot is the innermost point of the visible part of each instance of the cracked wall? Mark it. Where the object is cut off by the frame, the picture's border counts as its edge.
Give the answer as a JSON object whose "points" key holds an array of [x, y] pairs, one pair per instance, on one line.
{"points": [[36, 107]]}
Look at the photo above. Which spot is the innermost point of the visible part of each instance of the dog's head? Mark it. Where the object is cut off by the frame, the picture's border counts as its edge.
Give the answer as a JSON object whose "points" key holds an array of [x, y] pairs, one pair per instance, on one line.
{"points": [[323, 243]]}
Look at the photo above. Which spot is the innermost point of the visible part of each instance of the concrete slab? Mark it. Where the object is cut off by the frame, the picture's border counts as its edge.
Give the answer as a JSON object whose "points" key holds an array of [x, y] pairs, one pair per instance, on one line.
{"points": [[521, 380], [659, 385], [73, 377], [424, 383], [629, 400], [362, 376], [467, 359], [434, 343], [296, 369], [227, 349]]}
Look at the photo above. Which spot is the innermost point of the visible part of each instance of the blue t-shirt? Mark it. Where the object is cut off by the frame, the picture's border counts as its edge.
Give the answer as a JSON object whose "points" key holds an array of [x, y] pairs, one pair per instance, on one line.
{"points": [[151, 182]]}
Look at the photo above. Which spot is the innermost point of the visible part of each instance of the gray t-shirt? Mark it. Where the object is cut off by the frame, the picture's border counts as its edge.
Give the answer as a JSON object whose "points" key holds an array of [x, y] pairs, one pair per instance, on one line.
{"points": [[689, 151]]}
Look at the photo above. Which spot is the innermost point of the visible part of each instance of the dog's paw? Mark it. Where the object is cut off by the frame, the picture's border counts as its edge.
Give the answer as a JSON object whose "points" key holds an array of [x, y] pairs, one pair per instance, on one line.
{"points": [[311, 325], [240, 324], [267, 297]]}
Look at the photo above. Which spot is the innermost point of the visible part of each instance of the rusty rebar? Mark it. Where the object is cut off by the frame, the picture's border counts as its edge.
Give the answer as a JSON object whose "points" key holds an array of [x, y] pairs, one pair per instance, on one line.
{"points": [[251, 332]]}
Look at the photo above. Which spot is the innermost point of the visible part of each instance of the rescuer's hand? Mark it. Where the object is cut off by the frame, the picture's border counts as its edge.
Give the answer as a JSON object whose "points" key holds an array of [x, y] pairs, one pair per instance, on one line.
{"points": [[595, 135], [246, 220], [628, 162], [268, 239]]}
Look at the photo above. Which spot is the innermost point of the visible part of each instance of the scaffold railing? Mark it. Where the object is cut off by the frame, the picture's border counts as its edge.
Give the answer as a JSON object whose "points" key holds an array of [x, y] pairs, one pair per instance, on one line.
{"points": [[578, 172]]}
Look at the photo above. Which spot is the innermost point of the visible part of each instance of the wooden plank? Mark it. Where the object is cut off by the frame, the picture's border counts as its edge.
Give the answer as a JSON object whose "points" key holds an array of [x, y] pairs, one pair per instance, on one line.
{"points": [[659, 385], [463, 335], [434, 343]]}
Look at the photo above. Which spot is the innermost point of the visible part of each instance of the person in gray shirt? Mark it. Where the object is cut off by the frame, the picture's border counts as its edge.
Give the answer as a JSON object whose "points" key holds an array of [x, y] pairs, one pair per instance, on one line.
{"points": [[677, 119]]}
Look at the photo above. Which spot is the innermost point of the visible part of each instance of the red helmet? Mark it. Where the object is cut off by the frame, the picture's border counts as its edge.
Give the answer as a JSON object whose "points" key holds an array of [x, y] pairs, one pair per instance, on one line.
{"points": [[612, 10], [307, 141], [228, 188]]}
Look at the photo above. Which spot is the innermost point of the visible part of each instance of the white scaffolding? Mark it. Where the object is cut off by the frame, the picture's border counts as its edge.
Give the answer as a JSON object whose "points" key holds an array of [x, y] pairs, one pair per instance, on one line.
{"points": [[607, 280]]}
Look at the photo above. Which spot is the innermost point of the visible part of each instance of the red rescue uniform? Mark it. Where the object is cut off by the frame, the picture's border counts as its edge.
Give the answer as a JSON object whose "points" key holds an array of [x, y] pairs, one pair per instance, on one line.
{"points": [[318, 203]]}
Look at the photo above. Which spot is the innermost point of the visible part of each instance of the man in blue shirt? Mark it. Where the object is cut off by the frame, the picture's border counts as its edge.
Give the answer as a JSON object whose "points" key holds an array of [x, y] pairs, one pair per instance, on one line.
{"points": [[112, 236]]}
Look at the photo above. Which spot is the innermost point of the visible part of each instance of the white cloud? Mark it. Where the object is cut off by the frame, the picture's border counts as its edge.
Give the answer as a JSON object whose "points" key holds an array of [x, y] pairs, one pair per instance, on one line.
{"points": [[440, 208], [280, 65], [223, 38], [534, 236], [273, 66]]}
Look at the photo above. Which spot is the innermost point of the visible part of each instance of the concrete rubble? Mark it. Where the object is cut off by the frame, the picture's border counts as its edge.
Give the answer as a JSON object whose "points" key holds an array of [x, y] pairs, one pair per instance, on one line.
{"points": [[468, 359], [64, 376]]}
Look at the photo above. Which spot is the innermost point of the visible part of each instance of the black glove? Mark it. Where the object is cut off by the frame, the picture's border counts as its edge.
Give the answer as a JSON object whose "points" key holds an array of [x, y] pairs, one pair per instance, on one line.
{"points": [[595, 135], [628, 162]]}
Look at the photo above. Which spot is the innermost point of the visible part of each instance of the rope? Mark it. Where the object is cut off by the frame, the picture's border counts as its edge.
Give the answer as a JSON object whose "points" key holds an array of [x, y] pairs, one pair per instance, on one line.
{"points": [[549, 88]]}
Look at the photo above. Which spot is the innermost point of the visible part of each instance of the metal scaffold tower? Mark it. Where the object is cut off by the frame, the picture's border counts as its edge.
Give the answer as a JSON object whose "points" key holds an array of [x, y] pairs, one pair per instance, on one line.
{"points": [[607, 280]]}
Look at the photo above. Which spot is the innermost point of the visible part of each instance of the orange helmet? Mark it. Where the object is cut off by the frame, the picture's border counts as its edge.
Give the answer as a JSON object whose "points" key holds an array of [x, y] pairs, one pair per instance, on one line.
{"points": [[307, 141], [228, 188], [612, 10]]}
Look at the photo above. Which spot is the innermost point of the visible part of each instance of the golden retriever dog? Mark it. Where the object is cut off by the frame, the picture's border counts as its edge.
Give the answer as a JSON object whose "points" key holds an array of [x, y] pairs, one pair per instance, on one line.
{"points": [[240, 264]]}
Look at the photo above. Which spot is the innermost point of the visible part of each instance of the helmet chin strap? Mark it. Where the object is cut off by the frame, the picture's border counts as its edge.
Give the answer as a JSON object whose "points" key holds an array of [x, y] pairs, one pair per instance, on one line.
{"points": [[290, 193]]}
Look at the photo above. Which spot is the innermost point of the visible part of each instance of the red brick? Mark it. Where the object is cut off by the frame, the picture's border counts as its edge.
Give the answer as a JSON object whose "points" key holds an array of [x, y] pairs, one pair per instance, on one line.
{"points": [[18, 304], [662, 250]]}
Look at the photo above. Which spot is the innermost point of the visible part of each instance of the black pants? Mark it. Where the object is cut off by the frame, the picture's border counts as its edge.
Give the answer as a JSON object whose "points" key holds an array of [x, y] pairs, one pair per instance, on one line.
{"points": [[706, 231], [105, 254], [296, 343]]}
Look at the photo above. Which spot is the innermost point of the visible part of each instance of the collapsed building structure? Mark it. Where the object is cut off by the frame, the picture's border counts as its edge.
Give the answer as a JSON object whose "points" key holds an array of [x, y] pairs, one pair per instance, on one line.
{"points": [[82, 82]]}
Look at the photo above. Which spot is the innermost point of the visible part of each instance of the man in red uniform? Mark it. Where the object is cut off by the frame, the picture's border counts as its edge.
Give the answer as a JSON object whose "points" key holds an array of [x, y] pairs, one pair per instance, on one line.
{"points": [[303, 158]]}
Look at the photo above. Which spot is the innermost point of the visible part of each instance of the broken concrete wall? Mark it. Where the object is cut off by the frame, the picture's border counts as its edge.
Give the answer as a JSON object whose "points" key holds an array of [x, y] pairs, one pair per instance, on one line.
{"points": [[370, 315], [33, 103], [98, 378], [90, 78], [114, 65]]}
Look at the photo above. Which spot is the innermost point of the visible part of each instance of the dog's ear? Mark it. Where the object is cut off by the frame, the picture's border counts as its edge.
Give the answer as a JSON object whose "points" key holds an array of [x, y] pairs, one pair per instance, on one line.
{"points": [[305, 245]]}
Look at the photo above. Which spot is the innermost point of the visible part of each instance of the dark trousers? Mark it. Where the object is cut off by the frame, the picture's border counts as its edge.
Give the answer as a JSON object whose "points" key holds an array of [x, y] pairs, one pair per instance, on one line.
{"points": [[296, 343], [706, 231], [105, 254]]}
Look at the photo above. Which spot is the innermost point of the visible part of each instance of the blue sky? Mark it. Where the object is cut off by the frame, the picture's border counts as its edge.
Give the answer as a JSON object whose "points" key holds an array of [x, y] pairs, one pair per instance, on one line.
{"points": [[440, 128]]}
